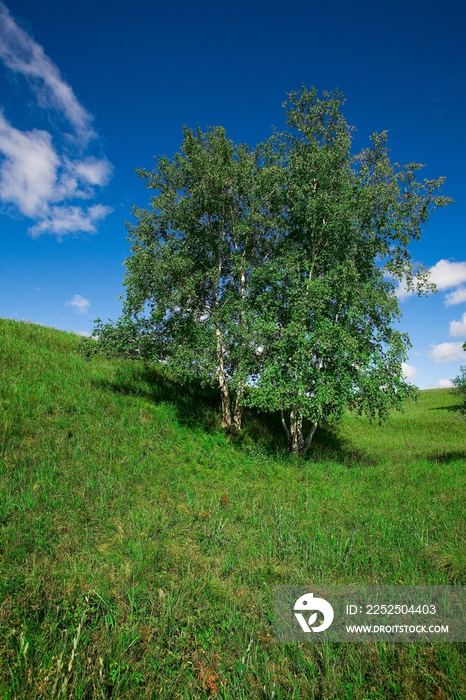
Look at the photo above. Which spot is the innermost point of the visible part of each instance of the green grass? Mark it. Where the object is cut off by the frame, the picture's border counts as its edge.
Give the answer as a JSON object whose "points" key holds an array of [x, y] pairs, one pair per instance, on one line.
{"points": [[139, 549]]}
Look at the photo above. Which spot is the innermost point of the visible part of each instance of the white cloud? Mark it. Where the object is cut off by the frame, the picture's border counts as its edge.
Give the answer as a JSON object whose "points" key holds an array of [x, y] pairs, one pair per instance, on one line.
{"points": [[76, 179], [409, 371], [28, 172], [448, 274], [458, 328], [22, 54], [32, 174], [35, 178], [94, 171], [442, 384], [456, 297], [447, 352], [63, 220], [445, 383], [79, 303], [444, 274]]}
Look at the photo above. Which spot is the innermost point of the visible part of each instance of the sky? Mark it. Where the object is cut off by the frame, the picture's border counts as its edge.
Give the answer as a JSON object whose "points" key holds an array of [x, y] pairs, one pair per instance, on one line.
{"points": [[91, 91]]}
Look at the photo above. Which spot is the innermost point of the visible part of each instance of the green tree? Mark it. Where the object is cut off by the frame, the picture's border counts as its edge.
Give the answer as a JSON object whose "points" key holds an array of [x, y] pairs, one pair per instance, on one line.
{"points": [[193, 254], [327, 302], [271, 272]]}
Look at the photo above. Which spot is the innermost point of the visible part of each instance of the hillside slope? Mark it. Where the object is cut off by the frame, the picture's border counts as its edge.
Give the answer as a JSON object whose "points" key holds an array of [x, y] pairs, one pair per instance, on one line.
{"points": [[139, 549]]}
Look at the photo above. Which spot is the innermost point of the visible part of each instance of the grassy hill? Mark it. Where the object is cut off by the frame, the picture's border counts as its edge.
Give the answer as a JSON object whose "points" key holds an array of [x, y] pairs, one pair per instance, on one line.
{"points": [[139, 549]]}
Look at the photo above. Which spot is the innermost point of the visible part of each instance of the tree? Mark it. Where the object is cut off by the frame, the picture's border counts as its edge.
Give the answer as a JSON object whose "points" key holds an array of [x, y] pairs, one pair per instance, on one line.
{"points": [[193, 254], [327, 302], [271, 272]]}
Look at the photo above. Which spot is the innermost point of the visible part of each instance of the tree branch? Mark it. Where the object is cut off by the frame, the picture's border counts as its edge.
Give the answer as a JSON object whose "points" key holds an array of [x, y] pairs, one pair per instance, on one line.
{"points": [[308, 441]]}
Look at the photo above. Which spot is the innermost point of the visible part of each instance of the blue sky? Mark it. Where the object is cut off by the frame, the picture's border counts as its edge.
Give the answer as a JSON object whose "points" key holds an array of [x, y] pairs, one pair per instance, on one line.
{"points": [[91, 91]]}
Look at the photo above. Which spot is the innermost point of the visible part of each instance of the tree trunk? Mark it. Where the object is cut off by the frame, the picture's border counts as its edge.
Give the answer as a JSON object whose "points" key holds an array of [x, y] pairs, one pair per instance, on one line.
{"points": [[228, 423], [296, 436], [238, 412], [226, 406], [285, 427], [298, 445]]}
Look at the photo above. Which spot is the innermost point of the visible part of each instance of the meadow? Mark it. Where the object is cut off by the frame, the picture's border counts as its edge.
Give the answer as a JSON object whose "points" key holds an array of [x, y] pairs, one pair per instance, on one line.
{"points": [[140, 548]]}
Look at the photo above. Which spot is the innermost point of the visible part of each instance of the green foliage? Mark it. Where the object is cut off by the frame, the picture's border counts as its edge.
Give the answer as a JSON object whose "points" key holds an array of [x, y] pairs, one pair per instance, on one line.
{"points": [[271, 272], [193, 254], [327, 304]]}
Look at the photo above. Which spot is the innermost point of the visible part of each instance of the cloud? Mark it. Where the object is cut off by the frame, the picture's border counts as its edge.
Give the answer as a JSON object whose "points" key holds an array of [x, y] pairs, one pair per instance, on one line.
{"points": [[32, 174], [79, 303], [77, 178], [28, 172], [442, 384], [21, 54], [458, 328], [447, 352], [93, 171], [36, 178], [456, 297], [66, 219], [444, 274], [408, 370]]}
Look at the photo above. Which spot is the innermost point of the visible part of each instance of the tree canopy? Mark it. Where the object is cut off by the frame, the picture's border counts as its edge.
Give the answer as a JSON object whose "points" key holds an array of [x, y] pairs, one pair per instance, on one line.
{"points": [[271, 271]]}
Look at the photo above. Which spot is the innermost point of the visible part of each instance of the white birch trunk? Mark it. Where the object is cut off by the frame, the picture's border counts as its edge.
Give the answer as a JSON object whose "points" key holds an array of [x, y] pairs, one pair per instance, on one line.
{"points": [[222, 382], [298, 445]]}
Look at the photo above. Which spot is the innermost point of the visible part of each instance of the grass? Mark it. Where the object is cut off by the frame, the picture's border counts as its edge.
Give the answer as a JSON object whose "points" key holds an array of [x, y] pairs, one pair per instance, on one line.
{"points": [[139, 549]]}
